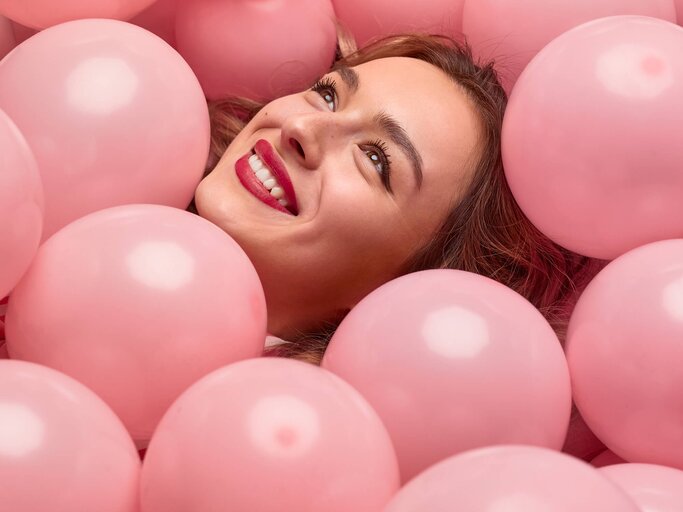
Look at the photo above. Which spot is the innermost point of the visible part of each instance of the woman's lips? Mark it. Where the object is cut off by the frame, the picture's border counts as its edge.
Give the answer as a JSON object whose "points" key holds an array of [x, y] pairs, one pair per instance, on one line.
{"points": [[267, 154], [249, 180]]}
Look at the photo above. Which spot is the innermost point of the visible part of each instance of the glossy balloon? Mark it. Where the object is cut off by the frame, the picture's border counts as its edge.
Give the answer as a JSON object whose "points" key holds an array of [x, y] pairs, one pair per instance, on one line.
{"points": [[590, 137], [652, 488], [113, 115], [624, 351], [138, 302], [21, 205], [511, 479], [259, 49], [61, 448], [269, 434], [451, 361], [45, 13]]}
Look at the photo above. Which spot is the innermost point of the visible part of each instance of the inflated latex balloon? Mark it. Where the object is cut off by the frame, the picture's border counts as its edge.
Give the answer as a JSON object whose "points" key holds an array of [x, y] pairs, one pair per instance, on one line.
{"points": [[113, 115], [61, 448], [607, 458], [513, 32], [624, 348], [7, 39], [591, 140], [21, 205], [160, 19], [22, 33], [679, 11], [272, 435], [652, 488], [258, 49], [138, 302], [45, 13], [511, 479], [369, 20], [452, 361]]}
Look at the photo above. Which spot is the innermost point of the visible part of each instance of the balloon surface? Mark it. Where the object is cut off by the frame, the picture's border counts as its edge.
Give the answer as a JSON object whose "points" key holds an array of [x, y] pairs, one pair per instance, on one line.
{"points": [[679, 11], [606, 458], [511, 479], [624, 348], [159, 18], [137, 302], [260, 49], [269, 434], [370, 20], [7, 40], [21, 205], [590, 138], [45, 13], [652, 488], [113, 116], [513, 32], [452, 361], [61, 448]]}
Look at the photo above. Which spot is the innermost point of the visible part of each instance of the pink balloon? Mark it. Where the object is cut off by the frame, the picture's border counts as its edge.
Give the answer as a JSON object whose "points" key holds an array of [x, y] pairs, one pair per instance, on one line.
{"points": [[269, 435], [452, 361], [256, 48], [61, 448], [513, 32], [590, 139], [652, 488], [160, 19], [511, 479], [369, 20], [624, 351], [45, 13], [137, 302], [22, 33], [113, 115], [606, 458], [21, 205], [679, 11], [7, 40]]}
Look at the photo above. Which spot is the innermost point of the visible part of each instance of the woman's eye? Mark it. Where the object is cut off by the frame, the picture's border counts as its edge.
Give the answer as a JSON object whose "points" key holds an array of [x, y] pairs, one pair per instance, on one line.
{"points": [[375, 159], [379, 157], [327, 89]]}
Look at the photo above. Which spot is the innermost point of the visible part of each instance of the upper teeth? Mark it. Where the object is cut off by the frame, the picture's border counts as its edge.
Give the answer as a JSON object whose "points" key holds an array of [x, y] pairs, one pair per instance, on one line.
{"points": [[264, 175]]}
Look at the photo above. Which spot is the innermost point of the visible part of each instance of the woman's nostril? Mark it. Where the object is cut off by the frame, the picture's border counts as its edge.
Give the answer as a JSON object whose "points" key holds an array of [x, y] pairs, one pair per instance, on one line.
{"points": [[295, 144]]}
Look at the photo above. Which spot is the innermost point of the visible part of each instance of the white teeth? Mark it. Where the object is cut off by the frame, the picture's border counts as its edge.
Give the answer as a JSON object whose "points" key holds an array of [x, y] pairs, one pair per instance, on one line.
{"points": [[266, 177], [263, 174], [255, 162], [270, 183], [277, 192], [283, 202]]}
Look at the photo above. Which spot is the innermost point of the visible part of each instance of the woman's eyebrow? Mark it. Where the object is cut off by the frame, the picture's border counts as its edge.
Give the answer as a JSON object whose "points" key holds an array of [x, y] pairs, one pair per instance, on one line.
{"points": [[390, 126]]}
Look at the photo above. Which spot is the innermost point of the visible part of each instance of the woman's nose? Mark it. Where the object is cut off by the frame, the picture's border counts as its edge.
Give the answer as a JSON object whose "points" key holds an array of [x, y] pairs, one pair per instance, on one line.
{"points": [[307, 137]]}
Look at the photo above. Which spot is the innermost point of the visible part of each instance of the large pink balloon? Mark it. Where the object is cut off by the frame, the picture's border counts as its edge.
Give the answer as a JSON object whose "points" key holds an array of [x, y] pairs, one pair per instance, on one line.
{"points": [[269, 435], [513, 32], [591, 140], [369, 20], [452, 361], [138, 302], [511, 479], [61, 448], [44, 13], [21, 205], [652, 488], [625, 347], [256, 48], [113, 115], [7, 39]]}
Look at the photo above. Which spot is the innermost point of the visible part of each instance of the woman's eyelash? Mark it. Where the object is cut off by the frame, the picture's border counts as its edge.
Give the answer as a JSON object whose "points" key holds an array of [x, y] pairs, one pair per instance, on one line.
{"points": [[327, 88]]}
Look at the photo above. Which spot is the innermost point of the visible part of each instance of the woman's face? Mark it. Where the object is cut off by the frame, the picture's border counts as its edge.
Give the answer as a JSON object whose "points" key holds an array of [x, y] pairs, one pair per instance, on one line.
{"points": [[352, 147]]}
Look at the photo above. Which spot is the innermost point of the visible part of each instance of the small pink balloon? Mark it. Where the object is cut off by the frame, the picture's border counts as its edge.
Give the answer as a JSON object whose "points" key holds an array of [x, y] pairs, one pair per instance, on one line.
{"points": [[159, 18], [606, 458], [137, 302], [624, 351], [259, 49], [21, 205], [653, 488], [7, 39], [269, 435], [511, 479], [513, 32], [61, 448], [590, 138], [452, 361], [113, 115], [370, 20], [45, 13]]}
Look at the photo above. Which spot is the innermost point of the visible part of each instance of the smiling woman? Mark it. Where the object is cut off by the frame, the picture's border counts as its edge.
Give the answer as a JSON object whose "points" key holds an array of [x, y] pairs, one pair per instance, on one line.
{"points": [[388, 164]]}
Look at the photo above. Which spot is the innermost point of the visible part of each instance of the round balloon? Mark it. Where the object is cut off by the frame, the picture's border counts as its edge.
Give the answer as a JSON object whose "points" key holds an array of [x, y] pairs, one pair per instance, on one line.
{"points": [[137, 302], [113, 115], [511, 479], [44, 13], [271, 435], [624, 351], [61, 448], [511, 33], [590, 137], [452, 361], [258, 49], [652, 488], [21, 205]]}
